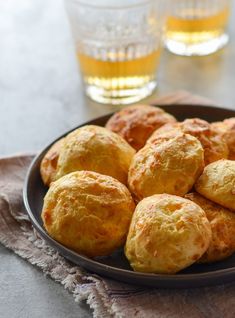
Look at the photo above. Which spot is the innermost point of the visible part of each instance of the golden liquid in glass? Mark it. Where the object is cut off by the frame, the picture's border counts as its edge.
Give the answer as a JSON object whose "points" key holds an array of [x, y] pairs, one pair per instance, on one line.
{"points": [[193, 26], [118, 75]]}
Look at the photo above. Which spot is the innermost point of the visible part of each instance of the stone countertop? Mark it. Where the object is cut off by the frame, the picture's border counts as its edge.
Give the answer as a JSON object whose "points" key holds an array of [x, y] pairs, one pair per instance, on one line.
{"points": [[41, 97]]}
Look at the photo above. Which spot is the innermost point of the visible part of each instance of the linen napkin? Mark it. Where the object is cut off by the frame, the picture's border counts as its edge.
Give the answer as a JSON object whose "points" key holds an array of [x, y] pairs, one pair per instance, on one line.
{"points": [[106, 297]]}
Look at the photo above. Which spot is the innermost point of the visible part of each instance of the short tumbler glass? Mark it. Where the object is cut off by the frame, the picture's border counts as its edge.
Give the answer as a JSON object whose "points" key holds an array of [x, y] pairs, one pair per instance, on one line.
{"points": [[118, 45], [197, 27]]}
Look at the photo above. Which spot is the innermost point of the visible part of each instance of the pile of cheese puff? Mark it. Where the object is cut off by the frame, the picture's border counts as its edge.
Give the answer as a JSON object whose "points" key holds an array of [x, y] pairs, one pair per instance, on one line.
{"points": [[165, 190]]}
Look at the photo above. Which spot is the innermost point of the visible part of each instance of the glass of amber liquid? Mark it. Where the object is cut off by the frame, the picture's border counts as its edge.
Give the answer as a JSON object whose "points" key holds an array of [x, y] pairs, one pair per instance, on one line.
{"points": [[197, 27], [118, 46]]}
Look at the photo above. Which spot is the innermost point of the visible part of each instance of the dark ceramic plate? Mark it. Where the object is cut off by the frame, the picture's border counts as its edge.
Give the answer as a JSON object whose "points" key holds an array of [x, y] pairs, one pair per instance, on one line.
{"points": [[116, 265]]}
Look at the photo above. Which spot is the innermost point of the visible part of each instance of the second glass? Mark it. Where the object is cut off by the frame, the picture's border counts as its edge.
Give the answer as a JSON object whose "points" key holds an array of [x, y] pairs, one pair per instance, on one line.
{"points": [[118, 47], [197, 27]]}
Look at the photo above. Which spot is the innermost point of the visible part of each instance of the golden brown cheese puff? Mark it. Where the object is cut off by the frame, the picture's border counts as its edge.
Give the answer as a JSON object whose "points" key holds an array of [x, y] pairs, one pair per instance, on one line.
{"points": [[136, 123], [222, 223], [96, 149], [88, 212], [227, 128], [212, 140], [168, 165], [49, 162], [217, 183], [167, 234]]}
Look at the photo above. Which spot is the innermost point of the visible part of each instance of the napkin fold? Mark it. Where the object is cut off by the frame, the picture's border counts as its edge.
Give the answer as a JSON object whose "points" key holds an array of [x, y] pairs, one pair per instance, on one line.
{"points": [[106, 297]]}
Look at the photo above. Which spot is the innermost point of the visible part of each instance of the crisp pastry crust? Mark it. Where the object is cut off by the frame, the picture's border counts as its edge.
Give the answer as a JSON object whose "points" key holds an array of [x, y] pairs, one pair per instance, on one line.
{"points": [[167, 234], [222, 223], [88, 212], [167, 165], [49, 162], [212, 140], [95, 148], [136, 123], [217, 183], [227, 128]]}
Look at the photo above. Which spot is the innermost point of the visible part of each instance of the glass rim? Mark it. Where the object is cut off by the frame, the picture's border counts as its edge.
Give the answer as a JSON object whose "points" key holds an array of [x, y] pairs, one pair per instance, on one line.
{"points": [[140, 3]]}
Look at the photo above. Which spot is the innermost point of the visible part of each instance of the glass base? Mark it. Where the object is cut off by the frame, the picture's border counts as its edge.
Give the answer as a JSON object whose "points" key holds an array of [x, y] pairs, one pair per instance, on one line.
{"points": [[197, 49], [120, 97]]}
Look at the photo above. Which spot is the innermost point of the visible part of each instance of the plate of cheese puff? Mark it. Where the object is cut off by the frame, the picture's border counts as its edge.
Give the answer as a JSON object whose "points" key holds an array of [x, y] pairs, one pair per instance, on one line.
{"points": [[145, 195]]}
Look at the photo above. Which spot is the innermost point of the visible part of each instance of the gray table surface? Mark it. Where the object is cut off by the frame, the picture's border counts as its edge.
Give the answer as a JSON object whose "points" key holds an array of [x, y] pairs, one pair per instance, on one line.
{"points": [[41, 97]]}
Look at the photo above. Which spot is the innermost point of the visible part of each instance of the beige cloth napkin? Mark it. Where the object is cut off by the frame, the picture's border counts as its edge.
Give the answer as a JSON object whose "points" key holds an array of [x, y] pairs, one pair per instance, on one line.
{"points": [[106, 297]]}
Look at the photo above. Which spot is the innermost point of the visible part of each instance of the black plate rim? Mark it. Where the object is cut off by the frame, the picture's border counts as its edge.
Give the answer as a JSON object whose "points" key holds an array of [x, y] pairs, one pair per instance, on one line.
{"points": [[107, 270]]}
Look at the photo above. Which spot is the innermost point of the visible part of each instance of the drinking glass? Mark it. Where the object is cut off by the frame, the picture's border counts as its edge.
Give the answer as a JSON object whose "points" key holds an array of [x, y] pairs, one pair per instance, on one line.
{"points": [[197, 27], [118, 45]]}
